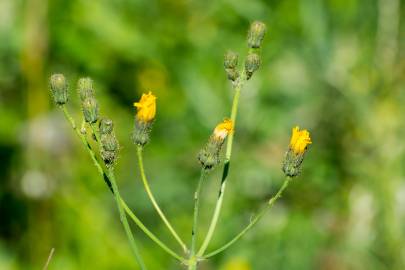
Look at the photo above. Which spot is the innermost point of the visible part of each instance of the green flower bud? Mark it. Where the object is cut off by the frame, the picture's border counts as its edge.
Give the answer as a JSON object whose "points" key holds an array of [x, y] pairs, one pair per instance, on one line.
{"points": [[109, 142], [106, 126], [90, 110], [252, 63], [141, 133], [230, 60], [232, 74], [85, 88], [256, 34], [59, 89]]}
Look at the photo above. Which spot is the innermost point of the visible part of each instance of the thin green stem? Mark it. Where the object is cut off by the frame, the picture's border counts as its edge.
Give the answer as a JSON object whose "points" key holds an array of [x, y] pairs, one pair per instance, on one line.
{"points": [[129, 212], [153, 200], [194, 230], [253, 221], [150, 234], [117, 197], [225, 172], [107, 178], [124, 220]]}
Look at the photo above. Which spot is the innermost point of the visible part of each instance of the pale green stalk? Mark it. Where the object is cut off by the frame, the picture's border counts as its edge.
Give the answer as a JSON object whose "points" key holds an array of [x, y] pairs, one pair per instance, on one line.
{"points": [[92, 154], [124, 220], [153, 200], [193, 260], [225, 172], [253, 221], [129, 212]]}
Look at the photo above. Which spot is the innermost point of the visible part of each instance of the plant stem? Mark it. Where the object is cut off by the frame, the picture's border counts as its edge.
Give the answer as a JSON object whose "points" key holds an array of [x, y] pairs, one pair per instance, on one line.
{"points": [[253, 221], [225, 172], [194, 230], [153, 200], [117, 197], [129, 212], [150, 234], [124, 220]]}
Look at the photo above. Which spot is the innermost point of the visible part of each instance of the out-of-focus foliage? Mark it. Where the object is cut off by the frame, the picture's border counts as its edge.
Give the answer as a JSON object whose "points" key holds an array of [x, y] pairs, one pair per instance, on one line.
{"points": [[335, 67]]}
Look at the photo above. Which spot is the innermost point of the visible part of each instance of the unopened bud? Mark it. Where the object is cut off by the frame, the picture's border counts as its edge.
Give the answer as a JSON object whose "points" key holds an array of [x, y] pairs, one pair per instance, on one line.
{"points": [[106, 126], [59, 88], [90, 110], [109, 143], [85, 88], [230, 60], [110, 147], [252, 63], [256, 34]]}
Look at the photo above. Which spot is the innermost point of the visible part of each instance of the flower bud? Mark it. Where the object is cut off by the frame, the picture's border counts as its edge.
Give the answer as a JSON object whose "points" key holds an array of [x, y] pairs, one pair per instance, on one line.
{"points": [[230, 64], [209, 155], [146, 112], [230, 60], [294, 156], [110, 147], [90, 110], [109, 143], [106, 126], [252, 63], [85, 88], [59, 88], [256, 34]]}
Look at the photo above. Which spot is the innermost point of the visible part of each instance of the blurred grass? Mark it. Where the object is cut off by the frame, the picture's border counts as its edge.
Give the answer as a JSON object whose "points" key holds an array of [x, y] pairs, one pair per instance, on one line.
{"points": [[335, 67]]}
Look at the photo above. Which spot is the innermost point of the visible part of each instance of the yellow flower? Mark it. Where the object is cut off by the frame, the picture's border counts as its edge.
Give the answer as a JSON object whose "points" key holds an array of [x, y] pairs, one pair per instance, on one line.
{"points": [[223, 129], [146, 107], [299, 140]]}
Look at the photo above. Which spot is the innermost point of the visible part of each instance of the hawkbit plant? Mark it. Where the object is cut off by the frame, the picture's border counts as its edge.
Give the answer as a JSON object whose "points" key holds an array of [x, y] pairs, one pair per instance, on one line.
{"points": [[101, 130]]}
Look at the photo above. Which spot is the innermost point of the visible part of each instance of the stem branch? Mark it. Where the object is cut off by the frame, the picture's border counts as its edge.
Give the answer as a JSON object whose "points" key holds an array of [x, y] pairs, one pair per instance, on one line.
{"points": [[254, 220], [153, 200]]}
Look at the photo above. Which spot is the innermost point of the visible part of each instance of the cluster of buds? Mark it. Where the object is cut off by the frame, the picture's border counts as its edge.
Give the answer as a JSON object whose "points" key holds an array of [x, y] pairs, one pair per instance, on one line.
{"points": [[109, 142], [59, 89], [89, 103], [255, 37], [146, 112], [209, 155], [294, 156]]}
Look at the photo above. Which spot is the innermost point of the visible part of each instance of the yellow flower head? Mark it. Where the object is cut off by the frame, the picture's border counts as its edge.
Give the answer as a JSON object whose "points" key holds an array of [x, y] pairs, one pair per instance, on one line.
{"points": [[223, 129], [299, 140], [146, 107]]}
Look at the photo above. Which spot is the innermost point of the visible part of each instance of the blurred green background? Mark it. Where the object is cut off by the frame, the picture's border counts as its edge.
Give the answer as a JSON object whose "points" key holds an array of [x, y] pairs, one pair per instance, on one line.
{"points": [[335, 67]]}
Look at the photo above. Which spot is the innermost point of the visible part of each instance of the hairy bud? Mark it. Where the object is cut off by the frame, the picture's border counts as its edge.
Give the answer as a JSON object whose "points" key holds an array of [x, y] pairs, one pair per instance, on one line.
{"points": [[231, 60], [230, 64], [252, 63], [256, 34], [59, 89], [90, 110], [106, 126], [85, 88]]}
